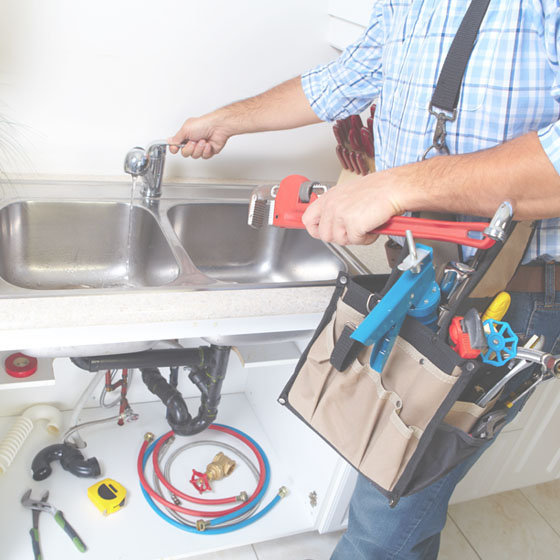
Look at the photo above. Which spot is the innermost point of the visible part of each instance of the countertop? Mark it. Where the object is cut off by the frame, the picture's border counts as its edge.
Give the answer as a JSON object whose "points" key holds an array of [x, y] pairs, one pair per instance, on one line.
{"points": [[104, 317], [70, 320]]}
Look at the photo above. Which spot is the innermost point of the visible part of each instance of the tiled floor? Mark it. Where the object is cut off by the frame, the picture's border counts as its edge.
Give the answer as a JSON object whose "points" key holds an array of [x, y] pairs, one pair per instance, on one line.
{"points": [[518, 525]]}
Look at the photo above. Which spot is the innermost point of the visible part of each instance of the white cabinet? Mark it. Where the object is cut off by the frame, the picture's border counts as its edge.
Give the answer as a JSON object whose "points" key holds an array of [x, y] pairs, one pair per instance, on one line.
{"points": [[320, 483], [527, 453], [299, 460]]}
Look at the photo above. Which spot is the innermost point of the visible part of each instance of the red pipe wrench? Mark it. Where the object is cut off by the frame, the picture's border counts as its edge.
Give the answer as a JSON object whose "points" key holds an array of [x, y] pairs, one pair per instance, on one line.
{"points": [[292, 196]]}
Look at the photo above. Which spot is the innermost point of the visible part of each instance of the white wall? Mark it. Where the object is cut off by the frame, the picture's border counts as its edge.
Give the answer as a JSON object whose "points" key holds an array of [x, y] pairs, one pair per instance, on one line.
{"points": [[84, 81]]}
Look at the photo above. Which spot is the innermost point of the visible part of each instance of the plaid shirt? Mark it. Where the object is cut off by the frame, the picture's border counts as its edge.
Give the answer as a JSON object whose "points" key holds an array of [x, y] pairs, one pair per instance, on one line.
{"points": [[511, 84]]}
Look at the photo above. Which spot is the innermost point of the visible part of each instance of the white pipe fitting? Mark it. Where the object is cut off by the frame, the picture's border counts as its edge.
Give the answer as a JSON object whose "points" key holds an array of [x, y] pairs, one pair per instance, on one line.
{"points": [[21, 429]]}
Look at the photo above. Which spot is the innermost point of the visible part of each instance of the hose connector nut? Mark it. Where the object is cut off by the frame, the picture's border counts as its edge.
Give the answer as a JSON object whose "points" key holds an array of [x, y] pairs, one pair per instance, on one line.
{"points": [[201, 524], [149, 437], [243, 496], [283, 491]]}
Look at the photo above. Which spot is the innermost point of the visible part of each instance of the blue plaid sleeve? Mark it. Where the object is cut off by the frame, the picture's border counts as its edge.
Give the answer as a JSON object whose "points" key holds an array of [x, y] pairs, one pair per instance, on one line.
{"points": [[550, 134], [550, 141], [347, 85]]}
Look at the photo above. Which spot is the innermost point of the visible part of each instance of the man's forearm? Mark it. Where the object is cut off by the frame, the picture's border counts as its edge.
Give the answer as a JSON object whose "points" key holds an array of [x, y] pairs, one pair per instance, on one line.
{"points": [[284, 106], [476, 183]]}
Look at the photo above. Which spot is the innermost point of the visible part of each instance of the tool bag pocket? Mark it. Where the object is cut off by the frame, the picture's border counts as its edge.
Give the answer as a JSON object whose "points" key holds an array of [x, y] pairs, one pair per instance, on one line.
{"points": [[386, 425]]}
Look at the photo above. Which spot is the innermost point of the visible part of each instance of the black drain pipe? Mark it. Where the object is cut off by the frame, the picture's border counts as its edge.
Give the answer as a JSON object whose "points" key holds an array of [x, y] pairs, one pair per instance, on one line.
{"points": [[208, 369]]}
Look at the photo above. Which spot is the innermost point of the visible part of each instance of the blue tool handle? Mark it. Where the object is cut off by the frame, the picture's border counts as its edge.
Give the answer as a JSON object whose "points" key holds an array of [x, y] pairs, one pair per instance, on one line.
{"points": [[69, 530], [35, 543]]}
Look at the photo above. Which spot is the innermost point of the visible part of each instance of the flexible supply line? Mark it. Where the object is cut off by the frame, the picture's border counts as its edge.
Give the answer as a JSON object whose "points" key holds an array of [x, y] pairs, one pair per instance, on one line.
{"points": [[257, 494], [77, 441], [23, 426], [177, 452], [187, 497], [221, 524]]}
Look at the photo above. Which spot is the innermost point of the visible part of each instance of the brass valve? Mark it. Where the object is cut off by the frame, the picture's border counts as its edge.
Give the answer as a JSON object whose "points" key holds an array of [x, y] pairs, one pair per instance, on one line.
{"points": [[220, 467]]}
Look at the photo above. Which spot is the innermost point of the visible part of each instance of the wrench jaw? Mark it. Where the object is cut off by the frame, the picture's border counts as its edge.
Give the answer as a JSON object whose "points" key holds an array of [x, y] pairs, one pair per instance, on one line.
{"points": [[37, 505]]}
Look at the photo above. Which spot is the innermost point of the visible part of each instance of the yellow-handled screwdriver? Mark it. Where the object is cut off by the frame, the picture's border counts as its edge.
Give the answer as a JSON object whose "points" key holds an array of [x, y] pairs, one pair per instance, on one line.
{"points": [[498, 308]]}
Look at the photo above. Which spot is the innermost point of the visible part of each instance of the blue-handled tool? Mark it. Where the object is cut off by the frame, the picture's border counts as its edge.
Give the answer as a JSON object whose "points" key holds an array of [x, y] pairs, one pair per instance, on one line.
{"points": [[416, 290]]}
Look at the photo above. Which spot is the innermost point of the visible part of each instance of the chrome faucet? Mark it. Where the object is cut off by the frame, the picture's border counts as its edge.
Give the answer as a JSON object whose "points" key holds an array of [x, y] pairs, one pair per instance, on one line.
{"points": [[148, 163]]}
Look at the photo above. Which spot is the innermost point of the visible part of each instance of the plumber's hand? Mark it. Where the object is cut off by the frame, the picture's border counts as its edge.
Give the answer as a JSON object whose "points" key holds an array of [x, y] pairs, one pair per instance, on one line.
{"points": [[347, 213], [203, 137]]}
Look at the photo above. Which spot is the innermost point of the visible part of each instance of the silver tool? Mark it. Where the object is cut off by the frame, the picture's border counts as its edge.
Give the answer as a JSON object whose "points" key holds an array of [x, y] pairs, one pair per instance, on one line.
{"points": [[500, 222], [43, 505], [550, 367], [535, 343], [531, 384], [489, 424], [550, 364]]}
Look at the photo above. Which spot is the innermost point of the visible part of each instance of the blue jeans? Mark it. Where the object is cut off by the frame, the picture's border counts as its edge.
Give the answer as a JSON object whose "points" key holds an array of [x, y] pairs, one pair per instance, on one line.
{"points": [[411, 530]]}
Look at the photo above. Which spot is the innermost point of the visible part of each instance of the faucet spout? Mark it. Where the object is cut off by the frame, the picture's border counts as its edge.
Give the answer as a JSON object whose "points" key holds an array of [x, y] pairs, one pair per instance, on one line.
{"points": [[149, 164]]}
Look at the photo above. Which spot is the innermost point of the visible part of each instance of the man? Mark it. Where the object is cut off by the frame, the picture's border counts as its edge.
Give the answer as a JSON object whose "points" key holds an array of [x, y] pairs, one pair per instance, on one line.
{"points": [[504, 145]]}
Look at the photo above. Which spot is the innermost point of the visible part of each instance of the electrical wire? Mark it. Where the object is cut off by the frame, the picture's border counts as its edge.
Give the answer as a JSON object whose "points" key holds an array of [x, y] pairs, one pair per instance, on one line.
{"points": [[229, 519]]}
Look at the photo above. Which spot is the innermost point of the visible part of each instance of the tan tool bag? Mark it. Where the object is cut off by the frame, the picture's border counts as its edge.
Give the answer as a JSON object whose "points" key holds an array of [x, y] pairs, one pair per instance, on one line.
{"points": [[404, 428]]}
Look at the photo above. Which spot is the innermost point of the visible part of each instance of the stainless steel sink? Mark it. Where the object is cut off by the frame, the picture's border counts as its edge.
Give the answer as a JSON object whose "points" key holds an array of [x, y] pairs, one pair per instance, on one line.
{"points": [[222, 246], [59, 238], [46, 245]]}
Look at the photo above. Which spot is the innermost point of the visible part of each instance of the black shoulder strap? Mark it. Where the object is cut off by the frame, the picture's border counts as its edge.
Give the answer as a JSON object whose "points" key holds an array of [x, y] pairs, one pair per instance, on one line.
{"points": [[448, 87], [446, 94]]}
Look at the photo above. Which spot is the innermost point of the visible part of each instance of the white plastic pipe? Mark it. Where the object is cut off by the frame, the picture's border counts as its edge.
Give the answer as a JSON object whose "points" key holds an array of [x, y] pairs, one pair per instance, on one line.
{"points": [[22, 427]]}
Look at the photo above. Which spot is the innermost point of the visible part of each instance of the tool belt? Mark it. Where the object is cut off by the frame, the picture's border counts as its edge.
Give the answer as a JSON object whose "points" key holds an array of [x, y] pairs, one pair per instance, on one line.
{"points": [[405, 427], [531, 278]]}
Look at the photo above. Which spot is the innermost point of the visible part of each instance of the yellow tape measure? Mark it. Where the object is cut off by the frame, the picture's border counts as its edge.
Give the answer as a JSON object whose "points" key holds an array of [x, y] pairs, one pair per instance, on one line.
{"points": [[107, 495]]}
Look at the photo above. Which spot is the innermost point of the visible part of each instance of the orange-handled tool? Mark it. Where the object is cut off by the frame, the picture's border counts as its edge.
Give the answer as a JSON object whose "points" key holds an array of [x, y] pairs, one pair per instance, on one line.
{"points": [[288, 201]]}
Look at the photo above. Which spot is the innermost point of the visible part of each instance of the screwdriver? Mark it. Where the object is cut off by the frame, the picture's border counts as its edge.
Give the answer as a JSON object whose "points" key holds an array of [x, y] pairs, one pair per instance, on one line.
{"points": [[498, 308]]}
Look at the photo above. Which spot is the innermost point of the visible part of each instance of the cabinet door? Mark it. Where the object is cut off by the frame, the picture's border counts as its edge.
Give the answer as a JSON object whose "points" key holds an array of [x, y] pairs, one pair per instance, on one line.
{"points": [[335, 511], [527, 453], [535, 457]]}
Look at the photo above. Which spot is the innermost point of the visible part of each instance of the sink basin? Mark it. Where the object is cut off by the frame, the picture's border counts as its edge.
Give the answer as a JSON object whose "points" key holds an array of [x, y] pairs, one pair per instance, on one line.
{"points": [[58, 245], [222, 246], [60, 238]]}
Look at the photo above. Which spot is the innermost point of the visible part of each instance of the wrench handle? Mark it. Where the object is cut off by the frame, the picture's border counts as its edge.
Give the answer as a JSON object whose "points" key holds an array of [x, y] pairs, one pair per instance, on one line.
{"points": [[69, 530], [438, 230], [35, 543]]}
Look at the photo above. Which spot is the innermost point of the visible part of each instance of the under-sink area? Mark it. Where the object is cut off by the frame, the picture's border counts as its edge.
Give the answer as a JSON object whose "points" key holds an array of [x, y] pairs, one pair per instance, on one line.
{"points": [[62, 237]]}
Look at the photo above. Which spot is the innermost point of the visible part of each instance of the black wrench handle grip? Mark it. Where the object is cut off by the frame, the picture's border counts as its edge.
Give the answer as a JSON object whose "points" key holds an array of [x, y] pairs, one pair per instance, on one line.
{"points": [[35, 543]]}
